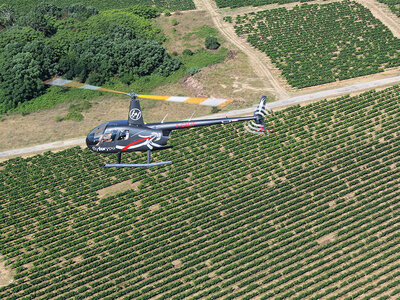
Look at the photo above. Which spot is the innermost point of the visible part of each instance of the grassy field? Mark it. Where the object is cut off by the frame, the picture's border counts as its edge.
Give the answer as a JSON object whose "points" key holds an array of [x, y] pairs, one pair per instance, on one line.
{"points": [[24, 6], [310, 210], [317, 44]]}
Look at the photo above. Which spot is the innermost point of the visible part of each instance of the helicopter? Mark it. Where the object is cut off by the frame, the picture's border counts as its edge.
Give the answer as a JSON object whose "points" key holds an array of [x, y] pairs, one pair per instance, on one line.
{"points": [[124, 136]]}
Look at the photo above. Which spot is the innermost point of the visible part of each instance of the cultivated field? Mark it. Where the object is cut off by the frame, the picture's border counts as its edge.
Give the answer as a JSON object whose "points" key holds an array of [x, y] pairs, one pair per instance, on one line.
{"points": [[394, 5], [240, 3], [310, 210], [317, 44]]}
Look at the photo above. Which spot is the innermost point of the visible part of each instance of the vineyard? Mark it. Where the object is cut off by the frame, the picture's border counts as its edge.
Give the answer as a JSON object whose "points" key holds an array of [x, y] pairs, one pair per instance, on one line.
{"points": [[311, 210], [240, 3], [394, 5], [317, 44], [24, 6]]}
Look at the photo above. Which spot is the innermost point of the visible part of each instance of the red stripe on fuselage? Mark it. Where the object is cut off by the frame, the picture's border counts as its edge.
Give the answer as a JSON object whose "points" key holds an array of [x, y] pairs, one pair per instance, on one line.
{"points": [[135, 142]]}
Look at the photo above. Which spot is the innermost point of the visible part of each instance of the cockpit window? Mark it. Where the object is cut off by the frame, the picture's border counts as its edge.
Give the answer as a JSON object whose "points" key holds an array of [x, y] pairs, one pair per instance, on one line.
{"points": [[99, 131], [109, 135], [123, 135]]}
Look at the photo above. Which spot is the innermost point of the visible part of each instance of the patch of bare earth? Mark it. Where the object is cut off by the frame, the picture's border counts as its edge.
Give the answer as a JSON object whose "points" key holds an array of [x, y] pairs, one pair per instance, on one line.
{"points": [[6, 274], [177, 263], [117, 188], [327, 238], [154, 207], [193, 84]]}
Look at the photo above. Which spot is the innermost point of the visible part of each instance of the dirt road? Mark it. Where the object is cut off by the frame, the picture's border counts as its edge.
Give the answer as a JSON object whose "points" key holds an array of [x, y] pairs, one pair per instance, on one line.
{"points": [[256, 58], [384, 14], [273, 105]]}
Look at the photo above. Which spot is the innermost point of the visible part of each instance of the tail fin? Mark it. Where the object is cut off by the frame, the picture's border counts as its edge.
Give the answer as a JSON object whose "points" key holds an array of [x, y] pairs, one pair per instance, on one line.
{"points": [[260, 113], [135, 113]]}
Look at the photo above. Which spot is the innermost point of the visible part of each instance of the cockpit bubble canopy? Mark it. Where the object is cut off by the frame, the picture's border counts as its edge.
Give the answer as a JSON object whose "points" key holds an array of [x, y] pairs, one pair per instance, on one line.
{"points": [[107, 132]]}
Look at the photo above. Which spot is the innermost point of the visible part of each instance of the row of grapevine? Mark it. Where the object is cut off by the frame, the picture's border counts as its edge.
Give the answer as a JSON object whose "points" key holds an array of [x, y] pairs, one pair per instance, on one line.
{"points": [[240, 3], [316, 44], [394, 6], [311, 210]]}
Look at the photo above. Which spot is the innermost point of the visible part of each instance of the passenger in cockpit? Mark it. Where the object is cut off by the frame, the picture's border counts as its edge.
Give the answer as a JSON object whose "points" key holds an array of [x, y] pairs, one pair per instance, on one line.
{"points": [[107, 137]]}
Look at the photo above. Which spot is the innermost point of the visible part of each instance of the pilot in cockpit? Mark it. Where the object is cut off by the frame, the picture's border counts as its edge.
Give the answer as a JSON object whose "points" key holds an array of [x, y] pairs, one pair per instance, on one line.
{"points": [[107, 137]]}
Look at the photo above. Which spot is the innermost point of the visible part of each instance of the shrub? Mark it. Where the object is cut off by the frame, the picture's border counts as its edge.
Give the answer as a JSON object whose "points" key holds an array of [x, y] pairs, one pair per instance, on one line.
{"points": [[187, 52], [212, 43], [74, 116], [192, 71]]}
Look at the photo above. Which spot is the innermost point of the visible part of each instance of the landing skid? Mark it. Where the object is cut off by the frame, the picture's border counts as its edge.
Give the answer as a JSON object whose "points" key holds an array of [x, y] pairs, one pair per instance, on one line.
{"points": [[147, 165]]}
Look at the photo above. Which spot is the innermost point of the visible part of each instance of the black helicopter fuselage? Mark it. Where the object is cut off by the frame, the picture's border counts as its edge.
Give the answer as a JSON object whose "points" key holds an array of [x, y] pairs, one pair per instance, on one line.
{"points": [[119, 136], [135, 135]]}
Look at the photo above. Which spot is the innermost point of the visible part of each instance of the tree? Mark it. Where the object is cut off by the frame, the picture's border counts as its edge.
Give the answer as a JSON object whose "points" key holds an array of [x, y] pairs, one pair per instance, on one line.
{"points": [[19, 34], [39, 22], [7, 16], [212, 43], [19, 79], [22, 69]]}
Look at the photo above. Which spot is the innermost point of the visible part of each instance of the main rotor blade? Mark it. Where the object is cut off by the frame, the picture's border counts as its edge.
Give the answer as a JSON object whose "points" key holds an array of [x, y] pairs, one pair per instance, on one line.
{"points": [[69, 83], [194, 100]]}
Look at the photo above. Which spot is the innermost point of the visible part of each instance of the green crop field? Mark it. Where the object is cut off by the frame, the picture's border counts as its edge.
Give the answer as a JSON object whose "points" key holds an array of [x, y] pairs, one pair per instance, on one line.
{"points": [[394, 5], [240, 3], [24, 6], [316, 44], [311, 210]]}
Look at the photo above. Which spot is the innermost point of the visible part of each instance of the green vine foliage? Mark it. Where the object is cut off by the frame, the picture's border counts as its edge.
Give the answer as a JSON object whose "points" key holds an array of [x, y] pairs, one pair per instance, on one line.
{"points": [[310, 210], [316, 44], [394, 5], [240, 3]]}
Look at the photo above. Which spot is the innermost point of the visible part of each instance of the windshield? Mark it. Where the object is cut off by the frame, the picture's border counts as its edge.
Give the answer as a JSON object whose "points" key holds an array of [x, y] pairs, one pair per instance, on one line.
{"points": [[97, 132], [110, 134]]}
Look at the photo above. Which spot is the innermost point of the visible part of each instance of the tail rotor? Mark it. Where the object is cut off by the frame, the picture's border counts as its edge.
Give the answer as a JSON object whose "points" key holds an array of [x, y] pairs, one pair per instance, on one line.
{"points": [[258, 125]]}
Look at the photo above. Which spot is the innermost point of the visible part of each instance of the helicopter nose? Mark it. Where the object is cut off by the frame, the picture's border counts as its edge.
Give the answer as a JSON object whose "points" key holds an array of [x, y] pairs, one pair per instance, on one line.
{"points": [[90, 140]]}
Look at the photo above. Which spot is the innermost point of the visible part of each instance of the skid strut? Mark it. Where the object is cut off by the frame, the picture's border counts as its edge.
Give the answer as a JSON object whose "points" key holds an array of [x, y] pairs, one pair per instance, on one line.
{"points": [[148, 164]]}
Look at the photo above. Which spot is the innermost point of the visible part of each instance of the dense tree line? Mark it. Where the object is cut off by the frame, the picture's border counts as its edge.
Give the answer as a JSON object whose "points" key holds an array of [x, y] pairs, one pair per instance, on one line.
{"points": [[78, 42], [172, 5]]}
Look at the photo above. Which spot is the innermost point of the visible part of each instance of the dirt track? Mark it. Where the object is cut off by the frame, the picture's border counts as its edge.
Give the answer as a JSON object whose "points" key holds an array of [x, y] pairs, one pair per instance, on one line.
{"points": [[273, 105], [384, 14], [262, 68], [256, 58], [268, 72]]}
